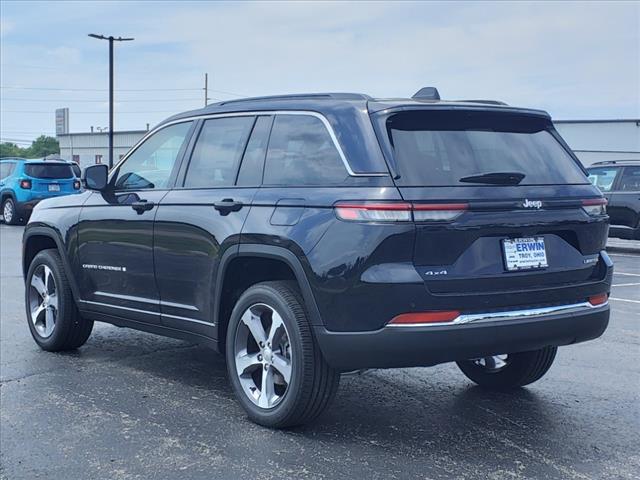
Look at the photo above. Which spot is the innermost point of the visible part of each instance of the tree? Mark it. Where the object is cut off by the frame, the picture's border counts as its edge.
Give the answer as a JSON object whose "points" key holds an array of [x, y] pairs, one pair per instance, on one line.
{"points": [[43, 146], [8, 149]]}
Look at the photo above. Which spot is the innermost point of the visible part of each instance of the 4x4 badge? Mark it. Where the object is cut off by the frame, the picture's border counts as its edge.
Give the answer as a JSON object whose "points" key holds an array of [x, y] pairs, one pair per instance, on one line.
{"points": [[532, 203]]}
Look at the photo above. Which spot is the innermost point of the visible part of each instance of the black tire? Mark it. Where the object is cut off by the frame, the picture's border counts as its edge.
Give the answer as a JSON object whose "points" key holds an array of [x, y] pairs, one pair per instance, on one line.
{"points": [[14, 218], [71, 330], [313, 382], [521, 369]]}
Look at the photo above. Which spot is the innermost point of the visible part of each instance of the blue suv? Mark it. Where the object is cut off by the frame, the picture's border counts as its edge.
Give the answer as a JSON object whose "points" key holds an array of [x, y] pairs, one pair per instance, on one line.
{"points": [[23, 183]]}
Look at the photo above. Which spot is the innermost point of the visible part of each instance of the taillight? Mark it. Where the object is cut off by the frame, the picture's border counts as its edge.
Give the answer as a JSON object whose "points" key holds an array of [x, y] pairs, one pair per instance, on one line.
{"points": [[374, 212], [434, 212], [26, 184], [595, 206], [398, 212], [442, 316], [600, 299], [76, 184]]}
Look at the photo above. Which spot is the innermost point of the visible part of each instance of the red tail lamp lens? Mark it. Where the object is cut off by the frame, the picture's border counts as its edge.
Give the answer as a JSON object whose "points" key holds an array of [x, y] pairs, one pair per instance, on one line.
{"points": [[598, 299], [26, 184], [425, 317]]}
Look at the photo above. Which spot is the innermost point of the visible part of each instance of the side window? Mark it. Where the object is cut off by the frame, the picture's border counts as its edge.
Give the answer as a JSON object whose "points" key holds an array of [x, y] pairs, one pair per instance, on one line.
{"points": [[301, 152], [151, 164], [5, 169], [253, 160], [630, 180], [217, 152], [603, 178]]}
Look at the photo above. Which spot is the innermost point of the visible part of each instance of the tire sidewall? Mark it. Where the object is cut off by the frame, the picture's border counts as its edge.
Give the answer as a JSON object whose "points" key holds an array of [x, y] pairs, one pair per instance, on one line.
{"points": [[46, 257], [268, 296]]}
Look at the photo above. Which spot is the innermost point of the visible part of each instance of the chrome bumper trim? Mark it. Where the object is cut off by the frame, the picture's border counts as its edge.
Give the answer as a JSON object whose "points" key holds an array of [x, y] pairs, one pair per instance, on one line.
{"points": [[509, 315]]}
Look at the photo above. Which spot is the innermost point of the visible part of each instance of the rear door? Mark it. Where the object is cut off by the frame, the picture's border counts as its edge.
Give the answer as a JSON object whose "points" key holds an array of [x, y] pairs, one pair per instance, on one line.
{"points": [[626, 198], [486, 187], [200, 219]]}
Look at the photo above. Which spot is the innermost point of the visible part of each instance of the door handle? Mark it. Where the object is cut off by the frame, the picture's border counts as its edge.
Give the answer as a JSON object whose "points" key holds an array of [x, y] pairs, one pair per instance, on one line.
{"points": [[227, 205], [142, 206]]}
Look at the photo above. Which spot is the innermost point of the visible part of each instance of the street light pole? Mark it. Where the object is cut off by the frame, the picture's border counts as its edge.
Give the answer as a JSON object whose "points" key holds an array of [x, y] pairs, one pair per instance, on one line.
{"points": [[111, 39]]}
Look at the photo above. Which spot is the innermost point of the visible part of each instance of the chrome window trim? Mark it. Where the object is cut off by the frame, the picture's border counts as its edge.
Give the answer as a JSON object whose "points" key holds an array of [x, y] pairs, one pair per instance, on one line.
{"points": [[317, 115], [506, 316]]}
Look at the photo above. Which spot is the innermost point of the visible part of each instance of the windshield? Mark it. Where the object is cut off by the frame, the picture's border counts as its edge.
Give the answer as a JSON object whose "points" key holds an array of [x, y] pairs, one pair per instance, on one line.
{"points": [[48, 170], [458, 147]]}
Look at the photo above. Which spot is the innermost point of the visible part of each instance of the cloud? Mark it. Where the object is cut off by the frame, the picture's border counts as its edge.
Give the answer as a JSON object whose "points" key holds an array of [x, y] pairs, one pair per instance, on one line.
{"points": [[575, 59]]}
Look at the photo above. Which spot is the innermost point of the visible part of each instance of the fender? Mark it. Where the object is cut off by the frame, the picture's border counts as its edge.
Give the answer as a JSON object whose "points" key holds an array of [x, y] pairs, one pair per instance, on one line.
{"points": [[276, 253], [7, 192], [53, 234]]}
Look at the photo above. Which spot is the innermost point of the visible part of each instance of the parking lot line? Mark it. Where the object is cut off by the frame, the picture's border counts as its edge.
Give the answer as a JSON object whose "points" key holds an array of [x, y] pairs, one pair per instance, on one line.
{"points": [[624, 300], [625, 284], [622, 255], [625, 273]]}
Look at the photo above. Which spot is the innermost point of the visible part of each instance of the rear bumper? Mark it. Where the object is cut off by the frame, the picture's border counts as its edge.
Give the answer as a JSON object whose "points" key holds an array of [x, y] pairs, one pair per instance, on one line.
{"points": [[392, 347]]}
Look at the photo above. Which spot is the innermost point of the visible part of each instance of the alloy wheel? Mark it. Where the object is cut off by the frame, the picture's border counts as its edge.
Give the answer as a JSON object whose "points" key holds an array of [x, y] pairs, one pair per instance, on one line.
{"points": [[492, 364], [43, 301], [7, 212], [262, 355]]}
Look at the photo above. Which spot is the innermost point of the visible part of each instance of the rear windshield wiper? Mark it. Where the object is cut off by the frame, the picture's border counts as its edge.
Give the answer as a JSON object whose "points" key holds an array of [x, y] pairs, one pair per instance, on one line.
{"points": [[495, 178]]}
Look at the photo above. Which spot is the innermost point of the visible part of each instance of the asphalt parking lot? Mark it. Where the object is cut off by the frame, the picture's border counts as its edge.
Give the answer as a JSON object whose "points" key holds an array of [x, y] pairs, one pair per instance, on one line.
{"points": [[132, 405]]}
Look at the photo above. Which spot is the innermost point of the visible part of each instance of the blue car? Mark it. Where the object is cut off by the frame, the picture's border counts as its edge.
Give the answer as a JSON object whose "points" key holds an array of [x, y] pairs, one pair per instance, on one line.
{"points": [[23, 183]]}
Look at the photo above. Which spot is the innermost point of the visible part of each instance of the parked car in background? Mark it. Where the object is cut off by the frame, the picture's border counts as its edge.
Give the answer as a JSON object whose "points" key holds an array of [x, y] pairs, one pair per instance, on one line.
{"points": [[619, 181], [23, 183]]}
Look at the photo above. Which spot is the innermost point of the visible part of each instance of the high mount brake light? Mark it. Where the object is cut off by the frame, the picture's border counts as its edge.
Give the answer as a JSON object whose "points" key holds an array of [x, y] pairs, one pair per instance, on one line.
{"points": [[595, 206], [398, 212]]}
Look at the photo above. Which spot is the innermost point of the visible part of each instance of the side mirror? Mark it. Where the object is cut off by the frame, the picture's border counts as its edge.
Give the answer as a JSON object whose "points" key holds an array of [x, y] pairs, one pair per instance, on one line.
{"points": [[95, 177]]}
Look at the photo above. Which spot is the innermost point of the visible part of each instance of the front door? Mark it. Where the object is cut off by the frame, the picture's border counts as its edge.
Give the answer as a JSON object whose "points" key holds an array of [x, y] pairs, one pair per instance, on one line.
{"points": [[115, 232]]}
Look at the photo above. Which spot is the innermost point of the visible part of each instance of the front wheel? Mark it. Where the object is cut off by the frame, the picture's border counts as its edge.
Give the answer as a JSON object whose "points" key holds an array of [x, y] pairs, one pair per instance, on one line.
{"points": [[54, 320], [275, 366], [509, 370]]}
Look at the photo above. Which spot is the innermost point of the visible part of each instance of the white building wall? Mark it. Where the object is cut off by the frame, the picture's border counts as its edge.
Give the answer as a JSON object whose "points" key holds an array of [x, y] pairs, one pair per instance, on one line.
{"points": [[87, 145], [595, 141]]}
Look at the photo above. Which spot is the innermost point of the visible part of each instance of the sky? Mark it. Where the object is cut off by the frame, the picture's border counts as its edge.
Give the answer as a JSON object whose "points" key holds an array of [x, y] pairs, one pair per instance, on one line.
{"points": [[577, 60]]}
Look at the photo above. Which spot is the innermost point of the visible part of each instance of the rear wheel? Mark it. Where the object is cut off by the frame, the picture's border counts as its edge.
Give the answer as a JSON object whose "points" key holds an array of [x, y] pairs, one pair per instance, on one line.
{"points": [[509, 370], [275, 366], [9, 212], [54, 320]]}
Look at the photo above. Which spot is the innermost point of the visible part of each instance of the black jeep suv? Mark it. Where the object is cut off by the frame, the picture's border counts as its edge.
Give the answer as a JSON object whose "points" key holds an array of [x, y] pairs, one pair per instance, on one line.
{"points": [[309, 235]]}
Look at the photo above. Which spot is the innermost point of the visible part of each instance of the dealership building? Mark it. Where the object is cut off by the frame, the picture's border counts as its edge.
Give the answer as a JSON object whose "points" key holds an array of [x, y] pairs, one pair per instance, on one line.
{"points": [[93, 147]]}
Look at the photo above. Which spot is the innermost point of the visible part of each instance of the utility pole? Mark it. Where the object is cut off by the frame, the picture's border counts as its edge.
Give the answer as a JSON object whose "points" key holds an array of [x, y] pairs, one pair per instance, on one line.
{"points": [[206, 89], [111, 39]]}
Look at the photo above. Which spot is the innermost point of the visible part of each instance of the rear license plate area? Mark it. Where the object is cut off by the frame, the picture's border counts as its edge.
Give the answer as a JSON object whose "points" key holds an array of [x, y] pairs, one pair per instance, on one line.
{"points": [[54, 188], [524, 253]]}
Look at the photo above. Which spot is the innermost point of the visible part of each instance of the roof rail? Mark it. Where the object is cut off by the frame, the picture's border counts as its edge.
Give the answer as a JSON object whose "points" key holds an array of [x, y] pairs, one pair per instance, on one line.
{"points": [[485, 102], [301, 96]]}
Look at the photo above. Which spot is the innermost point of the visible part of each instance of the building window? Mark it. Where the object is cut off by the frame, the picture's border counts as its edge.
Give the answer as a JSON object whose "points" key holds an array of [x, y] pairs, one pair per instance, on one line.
{"points": [[76, 158], [98, 158]]}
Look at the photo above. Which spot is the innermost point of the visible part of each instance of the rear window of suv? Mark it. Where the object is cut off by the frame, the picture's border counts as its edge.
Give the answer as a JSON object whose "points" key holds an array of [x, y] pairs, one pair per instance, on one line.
{"points": [[434, 148], [44, 170]]}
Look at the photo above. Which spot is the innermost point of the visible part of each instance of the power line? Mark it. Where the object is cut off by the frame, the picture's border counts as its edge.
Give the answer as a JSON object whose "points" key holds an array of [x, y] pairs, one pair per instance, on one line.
{"points": [[11, 87], [50, 112], [72, 100]]}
